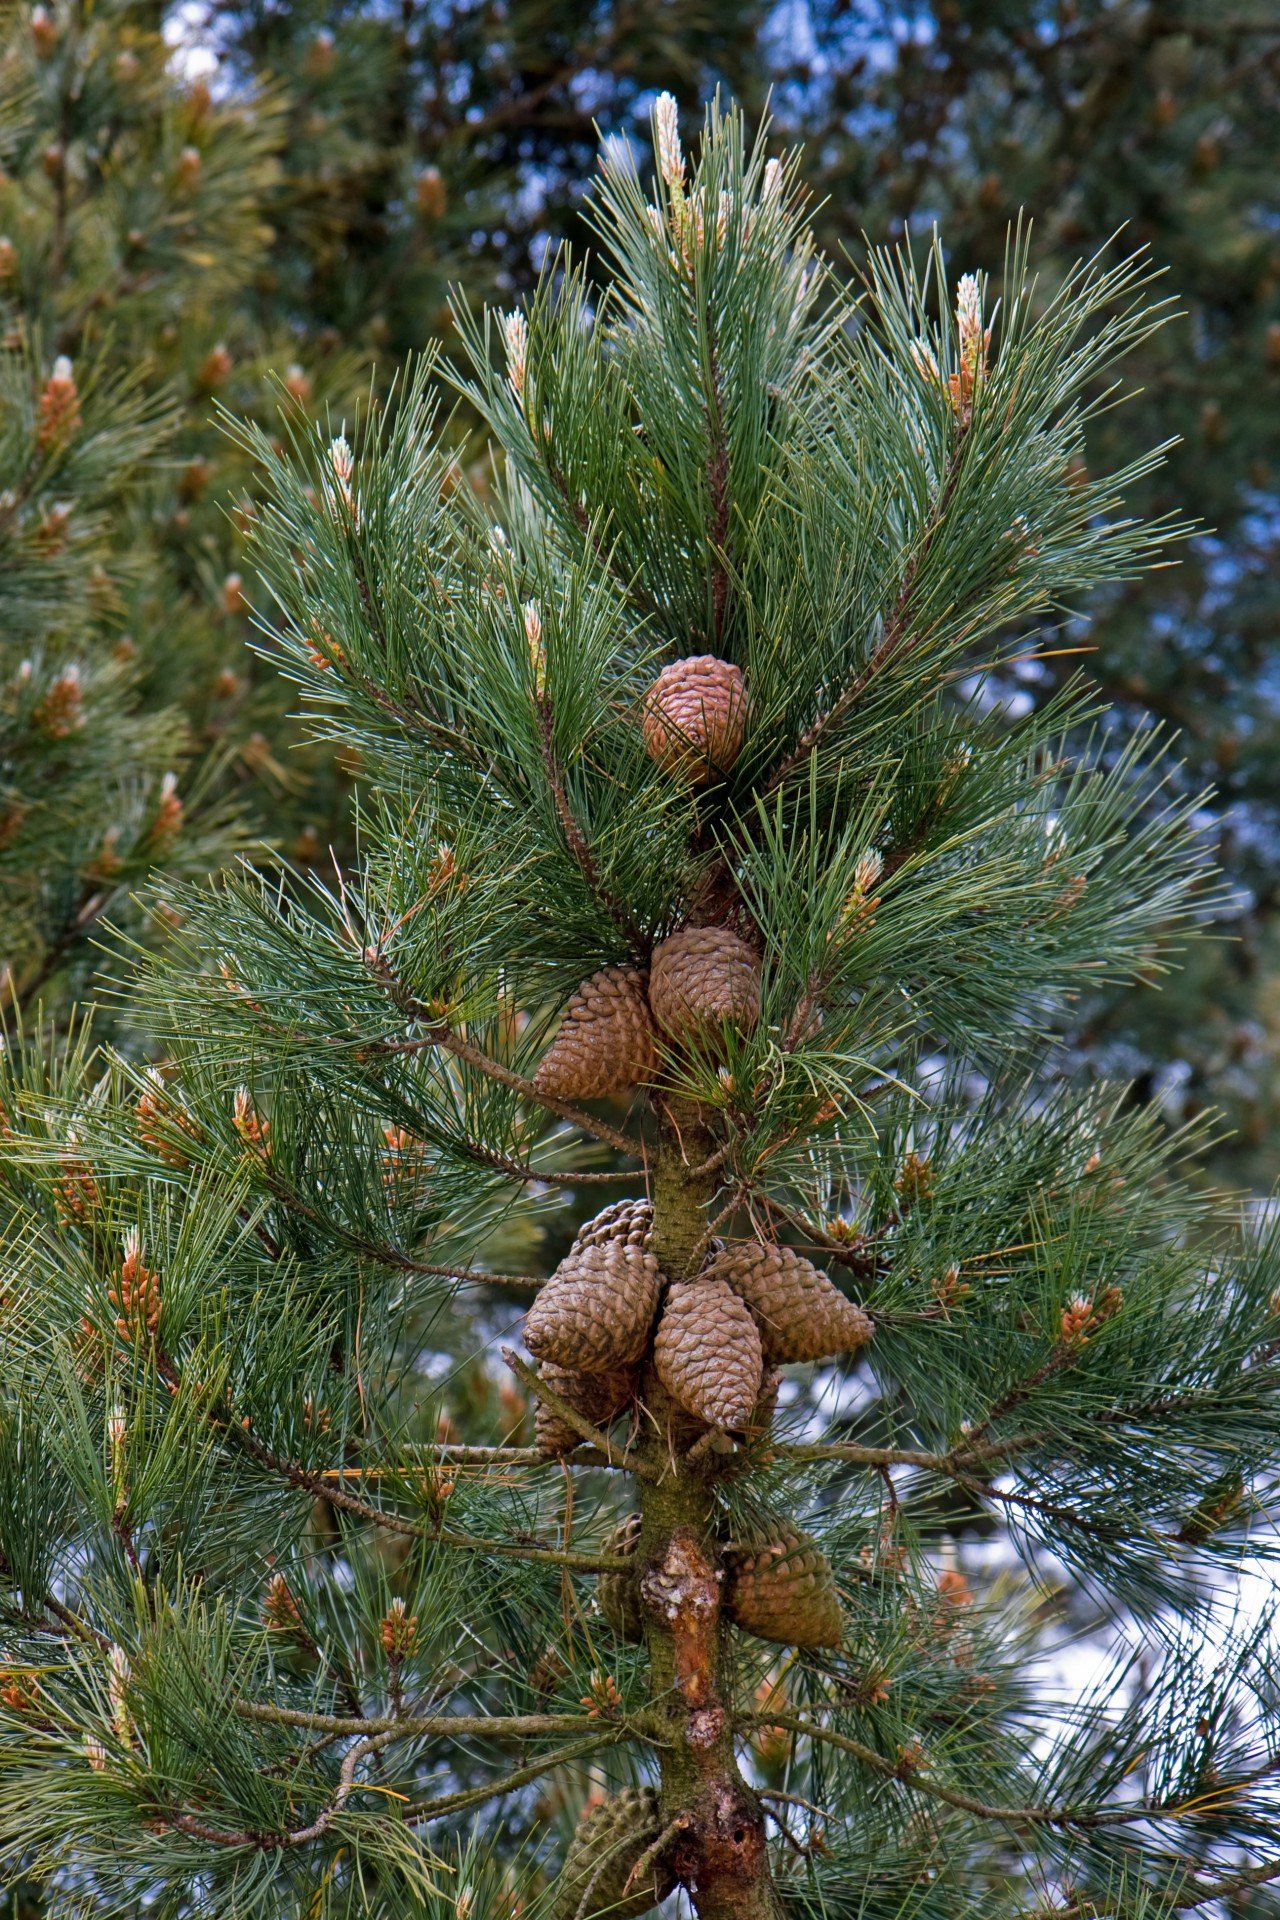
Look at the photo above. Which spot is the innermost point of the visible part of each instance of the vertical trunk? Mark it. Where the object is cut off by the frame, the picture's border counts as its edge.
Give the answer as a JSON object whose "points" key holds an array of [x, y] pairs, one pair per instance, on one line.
{"points": [[718, 1846]]}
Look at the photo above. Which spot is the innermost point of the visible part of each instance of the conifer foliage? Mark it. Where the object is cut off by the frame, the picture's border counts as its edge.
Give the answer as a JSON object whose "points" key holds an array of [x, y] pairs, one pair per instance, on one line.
{"points": [[273, 1642]]}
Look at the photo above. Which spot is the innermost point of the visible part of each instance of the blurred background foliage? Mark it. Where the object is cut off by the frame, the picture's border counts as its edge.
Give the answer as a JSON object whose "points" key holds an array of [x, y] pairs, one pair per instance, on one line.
{"points": [[210, 202]]}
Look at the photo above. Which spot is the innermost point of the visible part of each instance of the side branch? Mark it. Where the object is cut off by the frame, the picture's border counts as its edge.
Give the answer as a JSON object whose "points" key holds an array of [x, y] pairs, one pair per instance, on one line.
{"points": [[577, 1421]]}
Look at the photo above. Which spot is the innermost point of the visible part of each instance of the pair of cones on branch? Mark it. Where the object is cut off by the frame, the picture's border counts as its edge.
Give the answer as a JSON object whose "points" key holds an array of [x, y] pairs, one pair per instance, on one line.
{"points": [[712, 1336], [610, 1039], [782, 1589]]}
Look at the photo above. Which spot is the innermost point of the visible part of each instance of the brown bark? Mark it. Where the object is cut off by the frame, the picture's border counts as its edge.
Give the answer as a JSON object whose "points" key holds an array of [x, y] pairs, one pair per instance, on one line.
{"points": [[718, 1847]]}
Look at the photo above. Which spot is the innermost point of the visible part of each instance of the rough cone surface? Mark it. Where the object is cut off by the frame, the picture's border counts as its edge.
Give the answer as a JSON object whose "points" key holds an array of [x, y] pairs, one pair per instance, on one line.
{"points": [[619, 1593], [609, 1840], [596, 1311], [607, 1042], [785, 1591], [628, 1220], [694, 717], [599, 1397], [703, 977], [707, 1353], [800, 1313]]}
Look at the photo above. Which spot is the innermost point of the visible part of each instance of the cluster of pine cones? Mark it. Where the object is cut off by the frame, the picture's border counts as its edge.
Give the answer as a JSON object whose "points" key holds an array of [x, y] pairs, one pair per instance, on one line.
{"points": [[607, 1309], [700, 978]]}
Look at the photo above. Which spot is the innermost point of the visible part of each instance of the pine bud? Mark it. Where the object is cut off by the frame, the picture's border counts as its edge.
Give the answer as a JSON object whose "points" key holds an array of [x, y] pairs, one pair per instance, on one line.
{"points": [[297, 383], [135, 1293], [280, 1611], [126, 67], [515, 334], [75, 1191], [59, 411], [430, 194], [602, 1698], [118, 1678], [8, 257], [162, 1120], [233, 600], [398, 1631], [249, 1124], [61, 710], [214, 368], [168, 818], [319, 59], [44, 33], [188, 170], [915, 1181], [342, 464], [666, 125], [537, 648]]}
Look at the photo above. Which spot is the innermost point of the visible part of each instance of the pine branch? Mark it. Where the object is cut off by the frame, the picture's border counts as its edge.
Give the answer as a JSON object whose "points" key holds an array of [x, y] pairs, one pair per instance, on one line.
{"points": [[574, 1419], [426, 1810], [418, 1726], [576, 838]]}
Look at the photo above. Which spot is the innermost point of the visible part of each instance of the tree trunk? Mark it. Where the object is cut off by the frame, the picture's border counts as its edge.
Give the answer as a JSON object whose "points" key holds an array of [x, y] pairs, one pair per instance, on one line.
{"points": [[718, 1844]]}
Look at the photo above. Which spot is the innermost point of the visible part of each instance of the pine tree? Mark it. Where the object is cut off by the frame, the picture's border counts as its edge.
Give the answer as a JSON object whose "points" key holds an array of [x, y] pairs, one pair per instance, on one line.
{"points": [[131, 215], [690, 837]]}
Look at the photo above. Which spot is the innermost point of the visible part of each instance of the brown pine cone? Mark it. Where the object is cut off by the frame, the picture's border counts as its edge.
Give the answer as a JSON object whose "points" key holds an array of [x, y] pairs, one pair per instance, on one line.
{"points": [[694, 716], [702, 977], [784, 1591], [619, 1593], [628, 1220], [707, 1353], [800, 1313], [597, 1310], [610, 1838], [600, 1397], [607, 1042]]}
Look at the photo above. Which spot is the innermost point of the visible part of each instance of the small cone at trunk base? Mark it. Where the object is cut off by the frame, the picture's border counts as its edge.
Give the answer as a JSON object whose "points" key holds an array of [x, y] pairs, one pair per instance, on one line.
{"points": [[800, 1313], [619, 1593], [707, 1353], [702, 978], [694, 717], [599, 1397], [597, 1310], [607, 1042], [609, 1840], [784, 1590]]}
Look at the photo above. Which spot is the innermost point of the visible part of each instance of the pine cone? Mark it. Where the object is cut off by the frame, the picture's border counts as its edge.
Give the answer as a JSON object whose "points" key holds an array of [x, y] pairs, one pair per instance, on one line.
{"points": [[694, 717], [600, 1397], [701, 977], [800, 1313], [619, 1593], [609, 1840], [707, 1353], [784, 1591], [596, 1311], [627, 1220], [607, 1042]]}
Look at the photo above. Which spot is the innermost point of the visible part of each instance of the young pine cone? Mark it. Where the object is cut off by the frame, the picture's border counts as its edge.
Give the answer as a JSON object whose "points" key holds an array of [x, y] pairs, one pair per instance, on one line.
{"points": [[800, 1314], [609, 1840], [599, 1397], [704, 977], [596, 1311], [707, 1353], [784, 1591], [627, 1220], [694, 717], [619, 1593], [607, 1042]]}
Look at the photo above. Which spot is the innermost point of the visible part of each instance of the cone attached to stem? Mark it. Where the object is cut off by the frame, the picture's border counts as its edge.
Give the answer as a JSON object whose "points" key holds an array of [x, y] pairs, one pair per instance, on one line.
{"points": [[702, 978], [607, 1042], [800, 1313], [694, 717], [708, 1354]]}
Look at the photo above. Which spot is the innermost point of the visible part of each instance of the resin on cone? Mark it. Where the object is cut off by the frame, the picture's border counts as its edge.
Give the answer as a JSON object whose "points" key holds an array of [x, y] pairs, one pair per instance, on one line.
{"points": [[619, 1593], [800, 1313], [785, 1591], [595, 1313], [702, 978], [708, 1354], [598, 1397], [607, 1042], [608, 1842], [694, 717]]}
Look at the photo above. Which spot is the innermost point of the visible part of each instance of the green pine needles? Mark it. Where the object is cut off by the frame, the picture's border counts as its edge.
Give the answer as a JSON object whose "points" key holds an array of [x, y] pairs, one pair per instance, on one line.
{"points": [[710, 884]]}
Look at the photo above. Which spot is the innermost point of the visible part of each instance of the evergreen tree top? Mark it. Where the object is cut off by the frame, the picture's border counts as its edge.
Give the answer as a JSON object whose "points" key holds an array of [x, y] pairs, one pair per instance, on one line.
{"points": [[692, 839]]}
